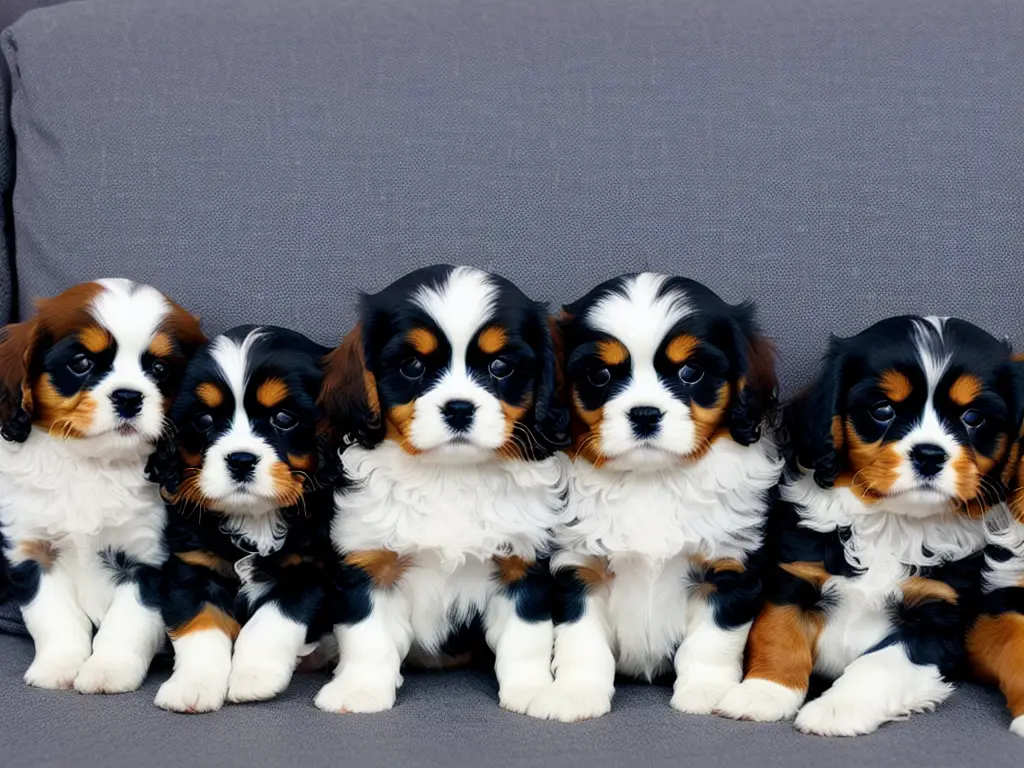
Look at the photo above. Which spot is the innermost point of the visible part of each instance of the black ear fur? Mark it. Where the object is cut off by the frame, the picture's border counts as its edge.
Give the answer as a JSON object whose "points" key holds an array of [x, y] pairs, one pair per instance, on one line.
{"points": [[16, 343], [551, 417], [813, 421], [348, 396], [756, 391], [164, 465]]}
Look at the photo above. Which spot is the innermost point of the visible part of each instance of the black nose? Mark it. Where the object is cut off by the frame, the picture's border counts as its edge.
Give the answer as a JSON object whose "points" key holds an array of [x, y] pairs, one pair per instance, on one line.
{"points": [[645, 420], [241, 465], [127, 402], [458, 414], [928, 459]]}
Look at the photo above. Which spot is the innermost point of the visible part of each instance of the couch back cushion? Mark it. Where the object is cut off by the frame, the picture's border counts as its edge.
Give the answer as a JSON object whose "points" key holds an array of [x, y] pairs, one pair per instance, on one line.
{"points": [[262, 161]]}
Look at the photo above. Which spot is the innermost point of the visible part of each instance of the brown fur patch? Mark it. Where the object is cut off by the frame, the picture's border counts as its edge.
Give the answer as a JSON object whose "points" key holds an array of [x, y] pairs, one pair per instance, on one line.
{"points": [[586, 433], [594, 573], [95, 339], [383, 566], [304, 462], [210, 394], [968, 480], [348, 385], [995, 646], [874, 466], [42, 552], [612, 352], [209, 617], [781, 643], [965, 389], [63, 417], [272, 392], [161, 345], [812, 572], [987, 463], [517, 446], [398, 424], [837, 432], [707, 420], [190, 459], [203, 559], [681, 347], [492, 340], [17, 342], [511, 569], [422, 340], [288, 487], [918, 590], [895, 385]]}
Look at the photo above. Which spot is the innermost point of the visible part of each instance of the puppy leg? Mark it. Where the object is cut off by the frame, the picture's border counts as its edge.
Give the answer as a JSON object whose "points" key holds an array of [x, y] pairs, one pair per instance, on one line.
{"points": [[709, 661], [372, 649], [996, 648], [202, 662], [266, 652], [878, 687], [61, 631], [129, 636], [522, 650]]}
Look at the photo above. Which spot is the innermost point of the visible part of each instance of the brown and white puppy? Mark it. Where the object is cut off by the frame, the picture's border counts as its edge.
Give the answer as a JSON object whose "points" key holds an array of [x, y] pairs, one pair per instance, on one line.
{"points": [[84, 388]]}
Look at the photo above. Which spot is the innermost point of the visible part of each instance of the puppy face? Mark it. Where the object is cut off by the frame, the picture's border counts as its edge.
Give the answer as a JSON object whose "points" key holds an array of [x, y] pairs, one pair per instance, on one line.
{"points": [[452, 363], [658, 368], [100, 362], [246, 421], [916, 411]]}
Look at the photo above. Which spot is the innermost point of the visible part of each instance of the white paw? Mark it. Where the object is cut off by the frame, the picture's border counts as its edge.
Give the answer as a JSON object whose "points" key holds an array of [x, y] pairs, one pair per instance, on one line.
{"points": [[257, 682], [570, 703], [55, 670], [760, 700], [191, 695], [347, 696], [517, 698], [699, 698], [102, 674], [1017, 726], [838, 715]]}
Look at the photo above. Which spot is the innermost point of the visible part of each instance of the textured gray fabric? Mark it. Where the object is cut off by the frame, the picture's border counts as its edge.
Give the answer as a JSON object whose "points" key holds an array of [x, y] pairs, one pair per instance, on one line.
{"points": [[453, 719], [836, 160]]}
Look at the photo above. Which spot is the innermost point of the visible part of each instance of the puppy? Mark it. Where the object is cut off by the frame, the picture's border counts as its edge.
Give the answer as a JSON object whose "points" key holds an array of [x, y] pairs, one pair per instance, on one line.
{"points": [[248, 521], [657, 565], [84, 386], [995, 642], [895, 456], [446, 390]]}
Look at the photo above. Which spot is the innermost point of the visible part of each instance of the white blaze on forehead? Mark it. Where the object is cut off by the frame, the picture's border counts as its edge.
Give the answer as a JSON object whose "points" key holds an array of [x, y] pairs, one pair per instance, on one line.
{"points": [[130, 311], [460, 306], [930, 342], [232, 359], [637, 316]]}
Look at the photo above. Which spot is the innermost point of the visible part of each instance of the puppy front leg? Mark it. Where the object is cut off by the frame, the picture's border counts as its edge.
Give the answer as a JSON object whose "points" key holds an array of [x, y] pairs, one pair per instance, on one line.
{"points": [[709, 661], [202, 662], [995, 645]]}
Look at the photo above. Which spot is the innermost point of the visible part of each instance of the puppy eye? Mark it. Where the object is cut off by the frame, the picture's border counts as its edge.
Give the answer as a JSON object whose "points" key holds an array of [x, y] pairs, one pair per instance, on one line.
{"points": [[159, 369], [972, 419], [203, 422], [284, 420], [600, 377], [80, 365], [691, 374], [883, 413], [412, 369], [500, 369]]}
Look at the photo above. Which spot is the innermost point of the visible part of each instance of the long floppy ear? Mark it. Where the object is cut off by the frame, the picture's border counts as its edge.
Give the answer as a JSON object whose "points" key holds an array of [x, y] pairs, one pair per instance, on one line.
{"points": [[164, 466], [1013, 473], [349, 397], [755, 389], [16, 345], [551, 418], [814, 423]]}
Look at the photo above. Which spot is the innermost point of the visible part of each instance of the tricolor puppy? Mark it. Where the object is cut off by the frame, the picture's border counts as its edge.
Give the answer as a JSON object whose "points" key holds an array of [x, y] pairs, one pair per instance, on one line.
{"points": [[248, 527], [447, 388], [895, 460], [995, 642], [669, 490], [84, 386]]}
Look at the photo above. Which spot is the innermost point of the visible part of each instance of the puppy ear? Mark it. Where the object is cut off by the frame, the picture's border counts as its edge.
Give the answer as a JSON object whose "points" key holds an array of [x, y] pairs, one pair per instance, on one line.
{"points": [[164, 466], [814, 422], [551, 418], [348, 396], [755, 387], [17, 342], [1013, 473]]}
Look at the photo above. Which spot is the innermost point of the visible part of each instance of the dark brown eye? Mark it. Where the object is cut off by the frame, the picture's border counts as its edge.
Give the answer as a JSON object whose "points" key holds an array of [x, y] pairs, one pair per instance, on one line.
{"points": [[972, 419], [284, 420], [412, 369], [500, 369], [883, 413], [203, 422], [691, 374], [600, 377], [80, 365], [159, 369]]}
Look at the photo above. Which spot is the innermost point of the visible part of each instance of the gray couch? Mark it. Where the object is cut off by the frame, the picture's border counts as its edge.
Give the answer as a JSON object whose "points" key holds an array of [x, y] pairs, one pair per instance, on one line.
{"points": [[261, 160]]}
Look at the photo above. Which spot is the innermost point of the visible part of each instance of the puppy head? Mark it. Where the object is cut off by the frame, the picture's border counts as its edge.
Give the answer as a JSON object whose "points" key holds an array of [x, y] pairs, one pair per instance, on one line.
{"points": [[914, 411], [99, 364], [453, 364], [246, 422], [659, 367]]}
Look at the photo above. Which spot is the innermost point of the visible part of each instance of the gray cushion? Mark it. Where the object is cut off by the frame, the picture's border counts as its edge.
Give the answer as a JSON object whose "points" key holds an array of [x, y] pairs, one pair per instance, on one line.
{"points": [[453, 719], [261, 160]]}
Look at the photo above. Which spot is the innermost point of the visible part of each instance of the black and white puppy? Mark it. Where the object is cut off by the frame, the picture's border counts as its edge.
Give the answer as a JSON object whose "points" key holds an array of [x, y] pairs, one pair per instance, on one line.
{"points": [[447, 387], [248, 531], [84, 387], [895, 458], [657, 565]]}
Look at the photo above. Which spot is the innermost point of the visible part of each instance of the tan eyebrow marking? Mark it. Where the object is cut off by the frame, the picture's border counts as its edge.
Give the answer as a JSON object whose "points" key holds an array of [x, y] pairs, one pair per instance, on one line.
{"points": [[965, 389], [95, 339], [492, 340], [612, 352], [895, 385], [210, 394], [271, 392], [681, 347], [422, 340], [161, 345]]}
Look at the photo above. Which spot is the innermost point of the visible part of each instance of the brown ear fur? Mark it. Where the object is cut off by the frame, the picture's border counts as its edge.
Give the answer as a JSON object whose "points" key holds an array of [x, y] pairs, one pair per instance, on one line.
{"points": [[17, 342], [348, 396]]}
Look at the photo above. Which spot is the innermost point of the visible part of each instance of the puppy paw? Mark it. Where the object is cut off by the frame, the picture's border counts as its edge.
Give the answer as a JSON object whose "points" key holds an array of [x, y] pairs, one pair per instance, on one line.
{"points": [[570, 703], [191, 695], [1017, 726], [106, 675], [347, 696], [838, 715], [517, 698], [257, 682], [699, 698], [759, 700], [55, 670]]}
